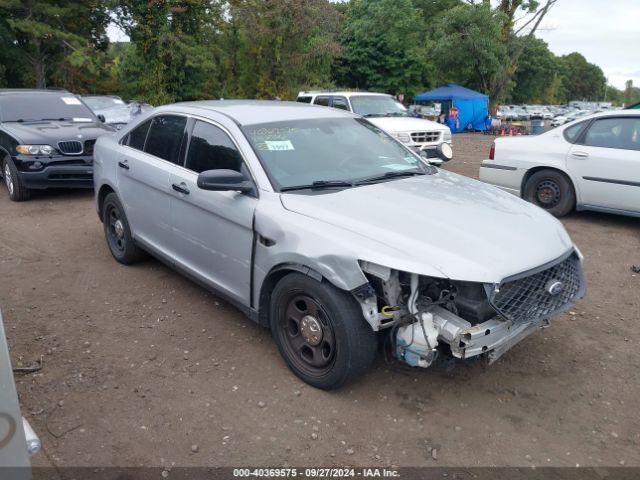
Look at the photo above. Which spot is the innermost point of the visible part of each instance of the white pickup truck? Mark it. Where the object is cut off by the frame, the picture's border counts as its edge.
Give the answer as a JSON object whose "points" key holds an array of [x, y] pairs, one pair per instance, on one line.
{"points": [[387, 113]]}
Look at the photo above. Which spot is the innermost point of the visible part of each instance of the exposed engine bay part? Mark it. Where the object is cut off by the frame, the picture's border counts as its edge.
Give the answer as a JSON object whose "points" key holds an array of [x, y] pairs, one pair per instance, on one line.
{"points": [[428, 314]]}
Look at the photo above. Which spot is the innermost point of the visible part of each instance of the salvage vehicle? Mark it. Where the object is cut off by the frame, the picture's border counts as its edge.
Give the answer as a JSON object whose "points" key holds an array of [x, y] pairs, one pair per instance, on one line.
{"points": [[325, 228], [113, 110], [592, 163], [46, 141], [387, 113]]}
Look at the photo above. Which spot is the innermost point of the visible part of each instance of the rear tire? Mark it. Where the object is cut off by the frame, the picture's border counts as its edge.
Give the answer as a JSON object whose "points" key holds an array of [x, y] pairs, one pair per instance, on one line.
{"points": [[118, 232], [17, 191], [552, 191], [320, 332]]}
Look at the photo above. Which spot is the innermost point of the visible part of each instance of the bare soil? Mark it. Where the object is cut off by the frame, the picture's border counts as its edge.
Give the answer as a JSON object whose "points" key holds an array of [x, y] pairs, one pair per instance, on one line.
{"points": [[143, 367]]}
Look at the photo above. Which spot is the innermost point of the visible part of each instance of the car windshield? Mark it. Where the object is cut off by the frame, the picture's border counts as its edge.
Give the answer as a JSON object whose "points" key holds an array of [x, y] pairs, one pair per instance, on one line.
{"points": [[35, 107], [102, 103], [377, 106], [338, 151]]}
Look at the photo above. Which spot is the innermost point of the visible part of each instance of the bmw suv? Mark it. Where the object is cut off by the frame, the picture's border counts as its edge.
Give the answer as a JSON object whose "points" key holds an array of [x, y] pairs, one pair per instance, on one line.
{"points": [[46, 141]]}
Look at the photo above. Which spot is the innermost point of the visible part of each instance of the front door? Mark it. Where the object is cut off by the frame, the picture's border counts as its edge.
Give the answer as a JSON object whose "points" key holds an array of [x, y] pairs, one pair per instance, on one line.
{"points": [[606, 162], [213, 230]]}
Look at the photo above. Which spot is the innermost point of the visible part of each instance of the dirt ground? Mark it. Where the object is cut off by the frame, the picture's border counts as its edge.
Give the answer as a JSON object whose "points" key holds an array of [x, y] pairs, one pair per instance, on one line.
{"points": [[143, 367]]}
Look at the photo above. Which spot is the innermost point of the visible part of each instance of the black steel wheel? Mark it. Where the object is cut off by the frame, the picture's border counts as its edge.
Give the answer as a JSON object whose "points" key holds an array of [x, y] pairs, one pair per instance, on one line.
{"points": [[551, 190], [320, 331], [118, 233]]}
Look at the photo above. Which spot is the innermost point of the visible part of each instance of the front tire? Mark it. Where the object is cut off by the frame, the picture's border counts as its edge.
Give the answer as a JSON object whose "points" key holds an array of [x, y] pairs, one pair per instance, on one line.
{"points": [[118, 232], [320, 332], [551, 190], [17, 191]]}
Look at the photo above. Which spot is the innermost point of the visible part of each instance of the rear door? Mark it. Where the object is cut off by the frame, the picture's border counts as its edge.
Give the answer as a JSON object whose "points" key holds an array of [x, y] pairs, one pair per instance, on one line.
{"points": [[213, 230], [151, 152], [606, 162]]}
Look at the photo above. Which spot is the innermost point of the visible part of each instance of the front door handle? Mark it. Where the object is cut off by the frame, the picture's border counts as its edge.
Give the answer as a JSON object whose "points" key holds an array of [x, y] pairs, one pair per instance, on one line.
{"points": [[180, 188], [580, 154], [124, 165]]}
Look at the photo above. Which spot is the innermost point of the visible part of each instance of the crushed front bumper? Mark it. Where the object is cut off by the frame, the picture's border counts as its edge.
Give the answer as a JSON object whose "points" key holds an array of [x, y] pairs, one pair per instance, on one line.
{"points": [[493, 337]]}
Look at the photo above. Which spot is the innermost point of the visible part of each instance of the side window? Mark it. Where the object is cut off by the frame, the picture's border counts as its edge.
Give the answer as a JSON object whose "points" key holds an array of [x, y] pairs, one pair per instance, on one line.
{"points": [[212, 149], [572, 133], [324, 101], [623, 133], [138, 135], [304, 99], [340, 103], [165, 137]]}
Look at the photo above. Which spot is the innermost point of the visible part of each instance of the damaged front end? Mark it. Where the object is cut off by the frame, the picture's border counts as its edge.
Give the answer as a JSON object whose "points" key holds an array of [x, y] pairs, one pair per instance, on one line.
{"points": [[426, 316]]}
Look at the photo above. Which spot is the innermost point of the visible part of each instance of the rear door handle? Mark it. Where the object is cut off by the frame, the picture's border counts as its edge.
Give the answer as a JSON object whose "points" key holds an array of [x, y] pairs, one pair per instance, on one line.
{"points": [[124, 165], [180, 188], [580, 154]]}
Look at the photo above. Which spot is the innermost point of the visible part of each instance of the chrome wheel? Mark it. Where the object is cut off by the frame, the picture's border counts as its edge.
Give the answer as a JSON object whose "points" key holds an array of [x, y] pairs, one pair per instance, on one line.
{"points": [[7, 178]]}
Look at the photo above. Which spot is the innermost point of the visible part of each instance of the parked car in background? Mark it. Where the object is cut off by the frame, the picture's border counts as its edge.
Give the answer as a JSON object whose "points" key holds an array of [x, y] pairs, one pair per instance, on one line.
{"points": [[559, 120], [320, 225], [114, 111], [387, 113], [589, 164], [46, 141]]}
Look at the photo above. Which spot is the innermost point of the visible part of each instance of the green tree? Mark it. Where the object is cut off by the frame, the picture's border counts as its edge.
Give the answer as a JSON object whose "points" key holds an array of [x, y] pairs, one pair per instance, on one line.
{"points": [[581, 80], [273, 49], [55, 38], [173, 54], [384, 48], [468, 46], [536, 80]]}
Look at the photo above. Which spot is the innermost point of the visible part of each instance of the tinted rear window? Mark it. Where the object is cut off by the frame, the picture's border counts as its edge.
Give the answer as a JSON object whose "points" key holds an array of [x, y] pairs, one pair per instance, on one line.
{"points": [[304, 99], [165, 137], [39, 106], [138, 135]]}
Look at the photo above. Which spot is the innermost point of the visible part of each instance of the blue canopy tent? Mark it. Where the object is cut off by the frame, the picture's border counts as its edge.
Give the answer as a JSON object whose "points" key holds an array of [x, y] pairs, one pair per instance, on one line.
{"points": [[473, 107]]}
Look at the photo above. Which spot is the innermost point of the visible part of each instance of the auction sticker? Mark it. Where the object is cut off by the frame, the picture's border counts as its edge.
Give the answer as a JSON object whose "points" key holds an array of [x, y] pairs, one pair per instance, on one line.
{"points": [[71, 101], [279, 145]]}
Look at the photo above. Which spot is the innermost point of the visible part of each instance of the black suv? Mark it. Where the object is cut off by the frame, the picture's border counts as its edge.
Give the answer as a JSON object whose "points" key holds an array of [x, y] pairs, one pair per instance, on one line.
{"points": [[46, 141]]}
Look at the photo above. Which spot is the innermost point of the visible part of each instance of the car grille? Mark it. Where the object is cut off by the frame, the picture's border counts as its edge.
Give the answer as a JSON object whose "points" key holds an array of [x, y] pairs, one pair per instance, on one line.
{"points": [[88, 147], [71, 147], [528, 298], [425, 137]]}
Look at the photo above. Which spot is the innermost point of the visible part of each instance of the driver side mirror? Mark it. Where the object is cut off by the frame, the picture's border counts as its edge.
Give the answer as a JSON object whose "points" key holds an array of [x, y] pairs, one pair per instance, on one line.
{"points": [[223, 180], [444, 153], [102, 118]]}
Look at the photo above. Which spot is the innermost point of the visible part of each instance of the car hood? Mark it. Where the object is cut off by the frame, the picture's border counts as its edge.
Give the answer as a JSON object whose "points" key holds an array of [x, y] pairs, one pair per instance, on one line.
{"points": [[465, 229], [53, 132], [406, 124], [121, 114]]}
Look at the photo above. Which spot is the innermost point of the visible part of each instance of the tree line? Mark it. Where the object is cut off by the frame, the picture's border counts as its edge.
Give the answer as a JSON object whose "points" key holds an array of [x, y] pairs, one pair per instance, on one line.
{"points": [[195, 49]]}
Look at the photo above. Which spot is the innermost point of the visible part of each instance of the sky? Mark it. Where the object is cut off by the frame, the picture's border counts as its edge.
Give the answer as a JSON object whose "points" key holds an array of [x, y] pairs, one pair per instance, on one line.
{"points": [[607, 33]]}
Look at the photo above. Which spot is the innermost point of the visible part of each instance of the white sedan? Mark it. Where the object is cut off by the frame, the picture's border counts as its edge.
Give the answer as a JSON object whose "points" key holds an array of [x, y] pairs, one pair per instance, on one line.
{"points": [[592, 163]]}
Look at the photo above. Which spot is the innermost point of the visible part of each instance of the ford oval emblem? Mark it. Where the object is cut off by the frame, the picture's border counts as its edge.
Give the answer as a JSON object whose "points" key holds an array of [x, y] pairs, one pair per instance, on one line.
{"points": [[554, 287]]}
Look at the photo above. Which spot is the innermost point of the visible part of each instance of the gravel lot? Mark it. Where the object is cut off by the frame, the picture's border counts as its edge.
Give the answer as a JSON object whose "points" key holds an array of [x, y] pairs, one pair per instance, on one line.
{"points": [[143, 367]]}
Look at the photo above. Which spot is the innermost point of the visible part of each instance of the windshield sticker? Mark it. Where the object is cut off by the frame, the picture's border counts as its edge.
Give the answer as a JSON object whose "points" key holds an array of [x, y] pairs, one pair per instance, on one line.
{"points": [[279, 145], [397, 166], [71, 101]]}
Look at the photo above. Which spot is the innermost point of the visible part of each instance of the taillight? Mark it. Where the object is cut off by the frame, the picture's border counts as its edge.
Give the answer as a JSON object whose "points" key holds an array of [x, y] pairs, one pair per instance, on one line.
{"points": [[492, 152]]}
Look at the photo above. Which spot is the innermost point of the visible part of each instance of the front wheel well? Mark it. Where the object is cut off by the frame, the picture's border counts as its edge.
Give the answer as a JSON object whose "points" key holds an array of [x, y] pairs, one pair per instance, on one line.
{"points": [[271, 280], [102, 194], [533, 170]]}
